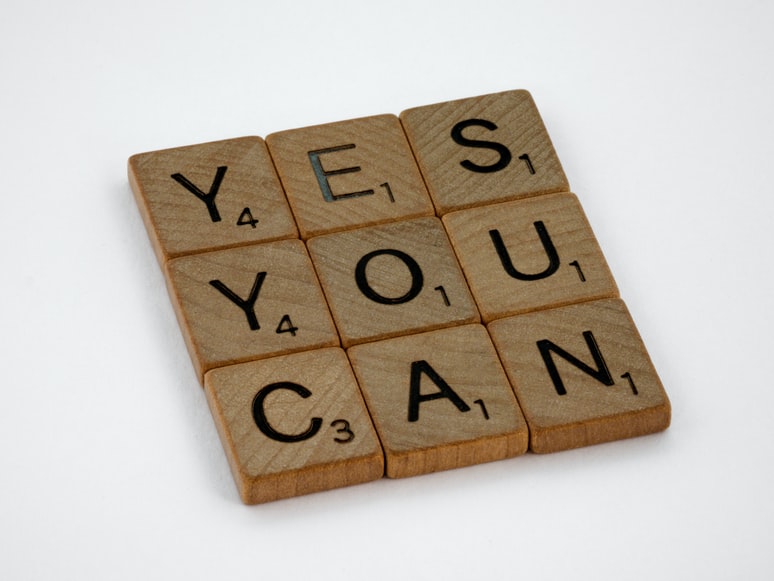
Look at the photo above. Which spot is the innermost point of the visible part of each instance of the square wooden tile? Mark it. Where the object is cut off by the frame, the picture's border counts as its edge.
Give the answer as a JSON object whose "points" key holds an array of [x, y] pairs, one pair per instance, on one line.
{"points": [[392, 279], [293, 425], [483, 149], [248, 303], [210, 196], [439, 400], [348, 174], [529, 254], [581, 374]]}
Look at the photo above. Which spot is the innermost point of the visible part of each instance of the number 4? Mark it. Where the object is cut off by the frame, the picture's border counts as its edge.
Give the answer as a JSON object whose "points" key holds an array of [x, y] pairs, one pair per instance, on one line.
{"points": [[246, 217], [286, 326]]}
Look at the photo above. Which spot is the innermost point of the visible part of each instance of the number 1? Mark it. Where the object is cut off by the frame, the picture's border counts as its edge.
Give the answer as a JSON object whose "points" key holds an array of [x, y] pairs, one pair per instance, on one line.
{"points": [[480, 402], [386, 186], [442, 290], [628, 376], [578, 268], [525, 158]]}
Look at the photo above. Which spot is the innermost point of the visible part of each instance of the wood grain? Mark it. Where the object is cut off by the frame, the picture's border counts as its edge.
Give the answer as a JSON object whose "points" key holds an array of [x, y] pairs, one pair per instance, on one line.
{"points": [[409, 270], [290, 313], [364, 167], [394, 238], [618, 395], [210, 196], [529, 255], [310, 399], [464, 412], [501, 150]]}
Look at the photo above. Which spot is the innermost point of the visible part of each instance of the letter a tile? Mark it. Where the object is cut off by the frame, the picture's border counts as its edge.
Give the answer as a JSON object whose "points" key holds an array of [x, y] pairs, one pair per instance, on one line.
{"points": [[392, 279], [210, 196], [439, 400], [249, 303], [349, 174], [482, 150], [529, 255], [581, 374], [293, 425]]}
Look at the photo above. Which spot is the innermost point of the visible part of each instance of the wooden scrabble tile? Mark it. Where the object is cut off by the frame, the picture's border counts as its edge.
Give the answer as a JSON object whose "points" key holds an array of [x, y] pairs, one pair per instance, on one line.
{"points": [[248, 303], [348, 174], [439, 400], [581, 374], [391, 279], [483, 149], [293, 425], [210, 196], [529, 254]]}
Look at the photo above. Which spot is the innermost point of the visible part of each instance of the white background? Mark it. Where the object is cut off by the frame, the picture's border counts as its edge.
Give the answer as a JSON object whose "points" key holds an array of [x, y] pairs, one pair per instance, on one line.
{"points": [[110, 466]]}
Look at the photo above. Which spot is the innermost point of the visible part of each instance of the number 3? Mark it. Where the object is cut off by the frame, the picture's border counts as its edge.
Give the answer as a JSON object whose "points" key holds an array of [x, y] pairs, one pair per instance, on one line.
{"points": [[343, 430]]}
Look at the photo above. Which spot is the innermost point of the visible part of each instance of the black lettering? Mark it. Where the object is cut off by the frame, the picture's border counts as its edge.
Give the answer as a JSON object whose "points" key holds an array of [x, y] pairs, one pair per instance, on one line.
{"points": [[577, 266], [259, 413], [208, 198], [444, 390], [601, 374], [628, 377], [442, 290], [286, 326], [417, 279], [505, 154], [344, 429], [248, 304], [480, 402], [322, 174], [505, 257], [246, 217], [390, 195], [525, 158]]}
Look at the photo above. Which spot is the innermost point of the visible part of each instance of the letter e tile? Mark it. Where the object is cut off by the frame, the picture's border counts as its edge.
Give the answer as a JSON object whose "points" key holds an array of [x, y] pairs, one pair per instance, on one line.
{"points": [[210, 196], [392, 279], [248, 303], [349, 174], [293, 425], [581, 374], [439, 400], [483, 149], [529, 255]]}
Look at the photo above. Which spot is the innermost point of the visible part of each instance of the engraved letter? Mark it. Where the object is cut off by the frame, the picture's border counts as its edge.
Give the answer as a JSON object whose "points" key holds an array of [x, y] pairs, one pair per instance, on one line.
{"points": [[208, 198], [505, 258], [259, 414], [601, 374], [505, 154], [322, 174], [444, 390], [247, 305], [417, 279]]}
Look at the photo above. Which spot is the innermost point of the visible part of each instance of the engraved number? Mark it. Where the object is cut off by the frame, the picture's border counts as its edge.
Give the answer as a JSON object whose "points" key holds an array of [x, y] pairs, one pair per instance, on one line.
{"points": [[480, 402], [442, 290], [286, 326], [390, 195], [578, 268], [344, 429], [246, 218], [525, 158], [628, 376]]}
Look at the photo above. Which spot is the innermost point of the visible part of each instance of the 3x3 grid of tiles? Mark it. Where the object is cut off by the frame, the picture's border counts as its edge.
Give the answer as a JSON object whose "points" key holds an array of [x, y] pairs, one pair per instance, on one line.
{"points": [[394, 296]]}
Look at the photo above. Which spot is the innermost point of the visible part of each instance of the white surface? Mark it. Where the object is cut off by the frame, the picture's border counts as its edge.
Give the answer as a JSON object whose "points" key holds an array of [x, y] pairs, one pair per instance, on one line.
{"points": [[110, 467]]}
